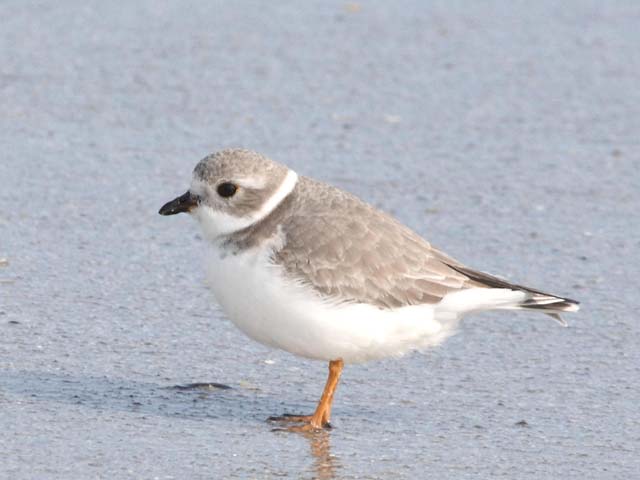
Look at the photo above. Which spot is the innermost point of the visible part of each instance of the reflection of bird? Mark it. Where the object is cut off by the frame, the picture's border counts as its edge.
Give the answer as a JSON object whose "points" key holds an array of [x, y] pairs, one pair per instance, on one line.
{"points": [[308, 268], [325, 465]]}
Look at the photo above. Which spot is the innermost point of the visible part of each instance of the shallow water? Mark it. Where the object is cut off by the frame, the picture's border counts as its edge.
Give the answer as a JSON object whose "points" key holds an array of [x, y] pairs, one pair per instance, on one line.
{"points": [[505, 133]]}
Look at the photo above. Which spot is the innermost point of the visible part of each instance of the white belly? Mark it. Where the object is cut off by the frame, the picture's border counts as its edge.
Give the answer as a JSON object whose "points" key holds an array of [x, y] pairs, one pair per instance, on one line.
{"points": [[267, 307]]}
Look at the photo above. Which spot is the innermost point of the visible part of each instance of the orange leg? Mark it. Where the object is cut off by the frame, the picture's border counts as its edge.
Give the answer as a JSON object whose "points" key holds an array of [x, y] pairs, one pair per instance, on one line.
{"points": [[322, 416]]}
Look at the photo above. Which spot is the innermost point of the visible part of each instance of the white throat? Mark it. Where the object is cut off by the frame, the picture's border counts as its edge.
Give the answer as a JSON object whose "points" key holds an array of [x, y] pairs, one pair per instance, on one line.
{"points": [[216, 223]]}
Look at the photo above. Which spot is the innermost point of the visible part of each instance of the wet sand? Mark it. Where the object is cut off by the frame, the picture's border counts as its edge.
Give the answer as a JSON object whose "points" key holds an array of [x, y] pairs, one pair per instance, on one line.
{"points": [[506, 134]]}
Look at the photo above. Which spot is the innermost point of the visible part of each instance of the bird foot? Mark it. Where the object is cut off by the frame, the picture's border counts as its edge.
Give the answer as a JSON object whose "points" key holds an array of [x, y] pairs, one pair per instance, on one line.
{"points": [[303, 428], [287, 417], [308, 424]]}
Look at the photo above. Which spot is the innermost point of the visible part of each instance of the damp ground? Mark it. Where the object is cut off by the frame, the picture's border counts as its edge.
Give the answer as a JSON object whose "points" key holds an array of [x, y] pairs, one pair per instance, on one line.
{"points": [[504, 132]]}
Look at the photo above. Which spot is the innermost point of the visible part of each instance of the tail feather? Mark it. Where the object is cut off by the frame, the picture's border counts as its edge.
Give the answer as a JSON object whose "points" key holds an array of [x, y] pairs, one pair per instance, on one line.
{"points": [[537, 300], [551, 305]]}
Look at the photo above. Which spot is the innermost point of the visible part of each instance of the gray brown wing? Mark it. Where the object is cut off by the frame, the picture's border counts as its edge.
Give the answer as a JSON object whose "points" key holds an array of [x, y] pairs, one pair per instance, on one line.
{"points": [[350, 252]]}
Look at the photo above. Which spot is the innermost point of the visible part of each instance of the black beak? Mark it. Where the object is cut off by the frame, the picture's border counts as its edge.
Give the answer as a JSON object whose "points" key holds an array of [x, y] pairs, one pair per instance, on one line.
{"points": [[183, 203]]}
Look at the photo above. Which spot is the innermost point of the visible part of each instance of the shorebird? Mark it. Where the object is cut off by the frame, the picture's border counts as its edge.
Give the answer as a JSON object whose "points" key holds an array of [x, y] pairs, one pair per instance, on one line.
{"points": [[305, 267]]}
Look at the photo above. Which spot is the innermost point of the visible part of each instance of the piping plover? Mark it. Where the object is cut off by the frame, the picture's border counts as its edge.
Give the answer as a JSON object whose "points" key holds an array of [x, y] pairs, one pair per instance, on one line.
{"points": [[305, 267]]}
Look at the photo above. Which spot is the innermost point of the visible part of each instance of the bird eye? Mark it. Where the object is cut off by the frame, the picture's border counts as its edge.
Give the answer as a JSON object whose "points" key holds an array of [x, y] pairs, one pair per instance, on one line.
{"points": [[227, 189]]}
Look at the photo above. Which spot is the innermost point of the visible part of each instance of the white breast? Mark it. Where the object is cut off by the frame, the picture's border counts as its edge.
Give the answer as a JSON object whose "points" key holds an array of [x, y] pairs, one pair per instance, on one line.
{"points": [[278, 312]]}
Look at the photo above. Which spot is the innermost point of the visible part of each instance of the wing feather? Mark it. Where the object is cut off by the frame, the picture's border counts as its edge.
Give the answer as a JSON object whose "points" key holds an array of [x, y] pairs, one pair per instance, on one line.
{"points": [[351, 252]]}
